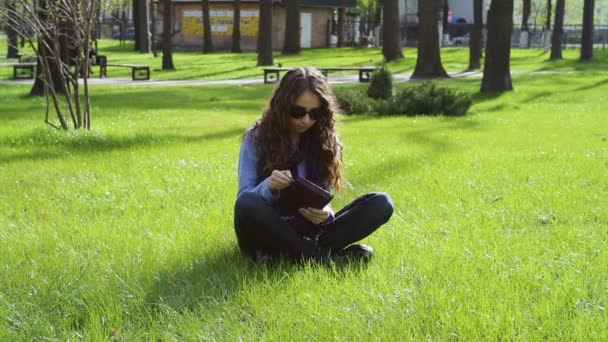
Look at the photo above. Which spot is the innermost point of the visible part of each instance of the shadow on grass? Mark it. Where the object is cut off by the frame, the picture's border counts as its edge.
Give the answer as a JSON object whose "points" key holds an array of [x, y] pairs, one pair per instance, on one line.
{"points": [[434, 143], [50, 144], [591, 86], [213, 280]]}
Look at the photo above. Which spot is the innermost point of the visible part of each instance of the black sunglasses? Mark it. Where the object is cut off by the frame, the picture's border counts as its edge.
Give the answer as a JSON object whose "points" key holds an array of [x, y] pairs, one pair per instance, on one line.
{"points": [[298, 112]]}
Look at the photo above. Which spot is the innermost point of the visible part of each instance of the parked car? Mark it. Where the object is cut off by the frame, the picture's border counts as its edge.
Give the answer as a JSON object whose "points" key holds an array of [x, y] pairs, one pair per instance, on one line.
{"points": [[130, 34], [462, 40]]}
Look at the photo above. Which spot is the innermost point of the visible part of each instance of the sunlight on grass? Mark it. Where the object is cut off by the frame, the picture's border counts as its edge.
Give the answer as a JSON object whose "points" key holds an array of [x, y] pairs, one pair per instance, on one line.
{"points": [[126, 231], [193, 65]]}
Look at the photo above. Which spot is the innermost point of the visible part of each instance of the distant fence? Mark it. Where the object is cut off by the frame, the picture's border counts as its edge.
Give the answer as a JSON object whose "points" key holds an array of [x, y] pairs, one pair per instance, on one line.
{"points": [[357, 33]]}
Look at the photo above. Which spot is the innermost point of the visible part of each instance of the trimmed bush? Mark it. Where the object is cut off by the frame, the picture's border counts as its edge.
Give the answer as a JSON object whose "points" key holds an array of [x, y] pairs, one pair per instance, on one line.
{"points": [[381, 84], [426, 99]]}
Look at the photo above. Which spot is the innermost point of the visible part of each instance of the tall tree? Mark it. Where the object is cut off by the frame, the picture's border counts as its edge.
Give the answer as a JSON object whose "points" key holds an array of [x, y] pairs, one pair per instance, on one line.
{"points": [[587, 40], [391, 36], [11, 33], [292, 45], [265, 34], [341, 26], [141, 23], [548, 19], [524, 41], [526, 15], [236, 27], [428, 63], [167, 36], [136, 20], [475, 42], [207, 41], [558, 30], [496, 70]]}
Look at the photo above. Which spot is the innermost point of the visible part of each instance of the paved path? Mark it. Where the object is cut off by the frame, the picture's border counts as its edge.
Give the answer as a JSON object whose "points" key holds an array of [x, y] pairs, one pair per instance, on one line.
{"points": [[337, 79]]}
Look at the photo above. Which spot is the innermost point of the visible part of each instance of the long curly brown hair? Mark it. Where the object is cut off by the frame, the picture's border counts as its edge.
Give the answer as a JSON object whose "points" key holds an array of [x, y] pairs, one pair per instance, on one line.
{"points": [[272, 129]]}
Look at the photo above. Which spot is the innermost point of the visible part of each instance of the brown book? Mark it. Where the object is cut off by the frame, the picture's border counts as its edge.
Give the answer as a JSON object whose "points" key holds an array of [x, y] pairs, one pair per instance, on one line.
{"points": [[303, 193]]}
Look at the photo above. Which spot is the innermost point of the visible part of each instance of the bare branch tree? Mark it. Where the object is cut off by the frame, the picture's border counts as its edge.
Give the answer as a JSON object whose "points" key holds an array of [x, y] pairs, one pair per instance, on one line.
{"points": [[64, 32]]}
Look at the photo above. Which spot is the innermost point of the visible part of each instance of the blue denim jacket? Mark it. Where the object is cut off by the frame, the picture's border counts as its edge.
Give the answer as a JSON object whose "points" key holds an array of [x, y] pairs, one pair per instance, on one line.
{"points": [[250, 173]]}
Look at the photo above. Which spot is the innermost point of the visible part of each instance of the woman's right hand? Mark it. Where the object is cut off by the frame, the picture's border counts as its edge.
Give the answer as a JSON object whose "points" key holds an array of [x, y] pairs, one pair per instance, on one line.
{"points": [[279, 179]]}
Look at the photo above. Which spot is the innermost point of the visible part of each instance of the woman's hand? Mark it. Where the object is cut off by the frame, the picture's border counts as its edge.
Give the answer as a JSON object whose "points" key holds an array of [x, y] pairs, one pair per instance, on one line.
{"points": [[279, 179], [316, 216]]}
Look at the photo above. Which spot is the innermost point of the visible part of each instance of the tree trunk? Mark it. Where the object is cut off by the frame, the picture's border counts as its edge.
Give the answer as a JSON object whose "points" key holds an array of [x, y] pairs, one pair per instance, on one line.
{"points": [[445, 19], [141, 23], [526, 15], [587, 40], [136, 23], [236, 27], [265, 34], [428, 63], [558, 30], [167, 36], [496, 71], [207, 41], [292, 45], [475, 42], [548, 22], [153, 33], [341, 23], [11, 33], [391, 36]]}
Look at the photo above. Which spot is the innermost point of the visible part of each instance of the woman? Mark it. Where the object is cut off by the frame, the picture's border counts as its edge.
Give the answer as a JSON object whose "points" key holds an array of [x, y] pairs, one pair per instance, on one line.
{"points": [[295, 138]]}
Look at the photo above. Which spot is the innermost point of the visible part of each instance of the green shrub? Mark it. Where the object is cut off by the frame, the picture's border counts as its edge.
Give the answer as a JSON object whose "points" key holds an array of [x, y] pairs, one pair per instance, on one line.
{"points": [[354, 102], [425, 99], [381, 84]]}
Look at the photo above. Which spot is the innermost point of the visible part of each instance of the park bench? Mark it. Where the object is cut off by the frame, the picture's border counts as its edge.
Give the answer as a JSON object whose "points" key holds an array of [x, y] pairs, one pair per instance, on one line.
{"points": [[138, 72], [23, 71], [272, 75]]}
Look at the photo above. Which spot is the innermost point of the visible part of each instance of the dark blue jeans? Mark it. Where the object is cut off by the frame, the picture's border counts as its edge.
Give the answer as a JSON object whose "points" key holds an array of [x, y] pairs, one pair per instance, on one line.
{"points": [[259, 226]]}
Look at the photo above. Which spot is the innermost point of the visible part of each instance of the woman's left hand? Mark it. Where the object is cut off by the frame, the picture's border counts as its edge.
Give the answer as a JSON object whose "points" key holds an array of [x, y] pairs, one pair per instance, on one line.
{"points": [[316, 216]]}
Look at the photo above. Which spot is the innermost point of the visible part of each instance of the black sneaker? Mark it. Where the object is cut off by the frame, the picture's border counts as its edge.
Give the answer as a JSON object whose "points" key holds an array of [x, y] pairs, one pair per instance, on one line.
{"points": [[355, 252]]}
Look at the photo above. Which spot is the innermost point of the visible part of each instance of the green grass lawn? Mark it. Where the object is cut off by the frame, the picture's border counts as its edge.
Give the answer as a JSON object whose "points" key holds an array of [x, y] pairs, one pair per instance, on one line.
{"points": [[192, 65], [125, 232]]}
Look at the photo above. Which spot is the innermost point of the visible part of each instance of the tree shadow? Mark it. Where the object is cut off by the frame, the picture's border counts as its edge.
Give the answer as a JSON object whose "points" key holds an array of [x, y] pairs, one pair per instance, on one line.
{"points": [[48, 143], [536, 97], [435, 146], [591, 86]]}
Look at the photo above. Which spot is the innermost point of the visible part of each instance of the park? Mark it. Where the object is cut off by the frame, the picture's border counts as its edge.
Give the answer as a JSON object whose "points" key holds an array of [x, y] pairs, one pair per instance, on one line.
{"points": [[125, 231]]}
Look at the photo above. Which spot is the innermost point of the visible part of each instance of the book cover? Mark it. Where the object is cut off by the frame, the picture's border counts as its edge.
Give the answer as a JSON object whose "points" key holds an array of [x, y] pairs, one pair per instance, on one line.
{"points": [[303, 193]]}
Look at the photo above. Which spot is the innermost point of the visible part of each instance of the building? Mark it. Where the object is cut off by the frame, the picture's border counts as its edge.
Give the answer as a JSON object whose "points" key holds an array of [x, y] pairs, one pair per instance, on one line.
{"points": [[187, 22], [459, 9]]}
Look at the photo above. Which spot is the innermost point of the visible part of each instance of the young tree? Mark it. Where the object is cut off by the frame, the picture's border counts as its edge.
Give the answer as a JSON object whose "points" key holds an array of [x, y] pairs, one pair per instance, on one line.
{"points": [[341, 26], [524, 38], [548, 19], [558, 30], [391, 36], [475, 42], [207, 41], [587, 39], [64, 32], [141, 22], [167, 36], [11, 33], [496, 70], [428, 63], [236, 27], [291, 45], [265, 34]]}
